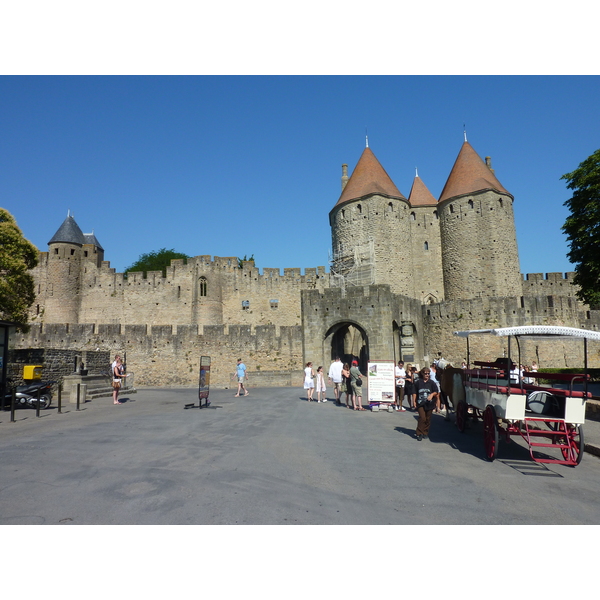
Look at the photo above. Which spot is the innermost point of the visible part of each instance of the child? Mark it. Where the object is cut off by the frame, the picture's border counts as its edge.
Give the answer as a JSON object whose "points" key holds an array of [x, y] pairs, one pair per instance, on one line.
{"points": [[321, 389]]}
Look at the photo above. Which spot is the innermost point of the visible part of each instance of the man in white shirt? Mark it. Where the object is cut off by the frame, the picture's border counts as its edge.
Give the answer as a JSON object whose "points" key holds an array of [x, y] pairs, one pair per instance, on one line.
{"points": [[335, 376], [400, 375]]}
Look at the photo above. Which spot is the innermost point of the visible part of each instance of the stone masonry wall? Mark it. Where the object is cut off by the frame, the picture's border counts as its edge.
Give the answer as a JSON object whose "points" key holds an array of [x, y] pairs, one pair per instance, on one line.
{"points": [[556, 284], [201, 292], [441, 320], [480, 254], [427, 254], [170, 356], [386, 222], [56, 363]]}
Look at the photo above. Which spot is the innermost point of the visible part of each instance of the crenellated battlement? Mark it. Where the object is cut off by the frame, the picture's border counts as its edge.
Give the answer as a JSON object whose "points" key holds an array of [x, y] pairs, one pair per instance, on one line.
{"points": [[168, 354], [549, 276], [559, 284]]}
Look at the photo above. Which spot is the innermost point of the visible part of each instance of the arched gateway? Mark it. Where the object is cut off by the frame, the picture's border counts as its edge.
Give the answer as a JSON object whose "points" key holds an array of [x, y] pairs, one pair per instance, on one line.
{"points": [[349, 341]]}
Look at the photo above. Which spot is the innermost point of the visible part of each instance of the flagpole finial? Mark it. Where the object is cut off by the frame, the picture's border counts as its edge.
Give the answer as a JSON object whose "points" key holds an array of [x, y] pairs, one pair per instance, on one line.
{"points": [[465, 131], [366, 138], [416, 172]]}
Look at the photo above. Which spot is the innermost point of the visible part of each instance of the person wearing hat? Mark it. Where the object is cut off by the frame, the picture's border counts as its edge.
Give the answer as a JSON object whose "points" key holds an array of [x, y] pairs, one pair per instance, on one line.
{"points": [[355, 376], [426, 392]]}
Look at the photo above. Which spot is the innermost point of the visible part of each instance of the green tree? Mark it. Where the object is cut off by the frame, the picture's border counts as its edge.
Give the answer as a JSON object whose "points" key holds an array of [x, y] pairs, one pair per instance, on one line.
{"points": [[155, 261], [17, 256], [583, 228], [241, 261]]}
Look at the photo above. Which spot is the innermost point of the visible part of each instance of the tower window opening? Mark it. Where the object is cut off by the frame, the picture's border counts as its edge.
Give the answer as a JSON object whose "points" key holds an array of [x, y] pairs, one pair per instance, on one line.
{"points": [[203, 285], [426, 246], [390, 207], [359, 207], [413, 217], [451, 209], [435, 214], [470, 203], [72, 251], [500, 202], [245, 304]]}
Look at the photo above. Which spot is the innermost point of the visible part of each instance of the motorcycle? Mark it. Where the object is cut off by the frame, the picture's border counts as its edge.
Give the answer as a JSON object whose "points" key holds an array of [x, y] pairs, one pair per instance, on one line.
{"points": [[28, 394]]}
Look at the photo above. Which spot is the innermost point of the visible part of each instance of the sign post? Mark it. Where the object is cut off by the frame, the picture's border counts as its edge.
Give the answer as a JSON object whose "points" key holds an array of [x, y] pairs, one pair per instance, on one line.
{"points": [[382, 386], [204, 383]]}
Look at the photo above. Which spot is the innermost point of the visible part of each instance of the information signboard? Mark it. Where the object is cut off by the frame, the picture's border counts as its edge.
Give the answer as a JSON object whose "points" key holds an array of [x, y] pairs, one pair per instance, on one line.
{"points": [[381, 381]]}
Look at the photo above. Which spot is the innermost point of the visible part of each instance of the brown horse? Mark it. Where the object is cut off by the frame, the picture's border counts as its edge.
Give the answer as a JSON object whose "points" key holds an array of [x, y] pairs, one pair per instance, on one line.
{"points": [[451, 383]]}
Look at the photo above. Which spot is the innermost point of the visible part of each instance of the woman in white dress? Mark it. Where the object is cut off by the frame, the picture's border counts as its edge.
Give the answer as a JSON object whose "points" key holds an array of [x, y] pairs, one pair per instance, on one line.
{"points": [[309, 384], [321, 388]]}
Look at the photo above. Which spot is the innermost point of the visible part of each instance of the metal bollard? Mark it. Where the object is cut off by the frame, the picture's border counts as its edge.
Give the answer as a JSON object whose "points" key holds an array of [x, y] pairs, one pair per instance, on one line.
{"points": [[59, 398], [78, 393], [37, 407], [12, 405]]}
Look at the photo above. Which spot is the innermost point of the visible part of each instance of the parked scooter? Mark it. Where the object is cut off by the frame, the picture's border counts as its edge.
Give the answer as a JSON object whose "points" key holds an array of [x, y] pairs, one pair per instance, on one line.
{"points": [[28, 394]]}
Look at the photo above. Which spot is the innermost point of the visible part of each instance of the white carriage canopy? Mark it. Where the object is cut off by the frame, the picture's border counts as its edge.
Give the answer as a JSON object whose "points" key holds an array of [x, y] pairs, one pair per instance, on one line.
{"points": [[536, 331]]}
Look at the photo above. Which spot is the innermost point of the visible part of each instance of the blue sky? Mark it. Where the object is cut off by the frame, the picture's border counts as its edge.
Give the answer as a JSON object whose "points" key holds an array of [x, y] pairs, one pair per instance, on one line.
{"points": [[242, 165]]}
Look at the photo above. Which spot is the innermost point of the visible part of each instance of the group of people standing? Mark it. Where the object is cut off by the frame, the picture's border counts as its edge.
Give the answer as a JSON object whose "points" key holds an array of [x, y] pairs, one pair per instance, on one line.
{"points": [[345, 378]]}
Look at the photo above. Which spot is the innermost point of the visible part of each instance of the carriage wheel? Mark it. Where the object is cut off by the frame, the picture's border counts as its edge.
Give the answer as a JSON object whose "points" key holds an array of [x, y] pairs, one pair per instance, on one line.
{"points": [[490, 432], [461, 415], [574, 451]]}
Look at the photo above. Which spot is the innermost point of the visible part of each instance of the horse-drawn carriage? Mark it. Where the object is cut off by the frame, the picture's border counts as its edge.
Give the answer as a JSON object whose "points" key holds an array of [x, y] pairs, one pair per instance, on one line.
{"points": [[516, 404]]}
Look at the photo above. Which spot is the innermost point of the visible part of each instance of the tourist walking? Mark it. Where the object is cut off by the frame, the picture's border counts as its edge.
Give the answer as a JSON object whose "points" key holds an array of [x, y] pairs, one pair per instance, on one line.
{"points": [[321, 389], [400, 375], [356, 383], [335, 376], [309, 384], [241, 378], [426, 392]]}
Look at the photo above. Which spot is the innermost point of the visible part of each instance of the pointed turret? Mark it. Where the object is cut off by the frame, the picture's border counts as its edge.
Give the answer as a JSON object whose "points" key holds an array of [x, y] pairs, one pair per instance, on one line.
{"points": [[68, 233], [66, 251], [420, 195], [477, 227], [370, 229], [470, 175], [368, 178]]}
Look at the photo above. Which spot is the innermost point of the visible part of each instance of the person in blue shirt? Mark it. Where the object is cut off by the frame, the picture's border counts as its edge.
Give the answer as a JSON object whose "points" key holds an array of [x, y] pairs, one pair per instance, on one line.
{"points": [[241, 377]]}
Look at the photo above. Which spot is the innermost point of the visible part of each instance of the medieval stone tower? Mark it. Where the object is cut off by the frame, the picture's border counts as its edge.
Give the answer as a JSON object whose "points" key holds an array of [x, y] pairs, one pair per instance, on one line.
{"points": [[458, 247], [477, 226], [370, 229], [71, 254]]}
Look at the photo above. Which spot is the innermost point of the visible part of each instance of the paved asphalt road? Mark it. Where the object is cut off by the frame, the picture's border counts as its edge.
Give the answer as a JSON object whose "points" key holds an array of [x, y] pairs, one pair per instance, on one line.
{"points": [[271, 458]]}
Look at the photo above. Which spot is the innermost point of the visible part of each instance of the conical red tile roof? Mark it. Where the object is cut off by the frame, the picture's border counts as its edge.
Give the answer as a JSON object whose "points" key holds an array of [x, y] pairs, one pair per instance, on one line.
{"points": [[470, 174], [420, 195], [369, 177]]}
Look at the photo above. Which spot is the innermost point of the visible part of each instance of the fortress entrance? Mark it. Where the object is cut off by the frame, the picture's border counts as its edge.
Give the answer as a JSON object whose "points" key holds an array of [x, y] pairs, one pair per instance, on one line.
{"points": [[349, 341]]}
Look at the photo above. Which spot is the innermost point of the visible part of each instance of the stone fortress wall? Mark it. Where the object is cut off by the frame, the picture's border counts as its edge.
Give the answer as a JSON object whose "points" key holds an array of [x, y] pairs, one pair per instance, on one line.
{"points": [[202, 292], [169, 354], [436, 266]]}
